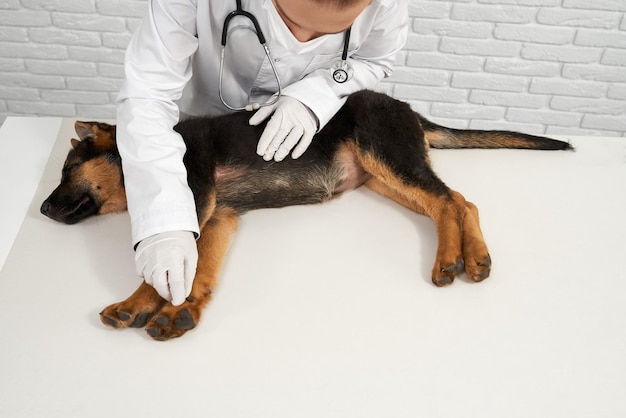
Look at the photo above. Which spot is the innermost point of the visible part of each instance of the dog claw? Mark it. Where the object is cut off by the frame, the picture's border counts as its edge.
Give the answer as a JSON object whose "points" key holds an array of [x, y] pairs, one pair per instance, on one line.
{"points": [[479, 270], [449, 269], [486, 261], [447, 274], [454, 268]]}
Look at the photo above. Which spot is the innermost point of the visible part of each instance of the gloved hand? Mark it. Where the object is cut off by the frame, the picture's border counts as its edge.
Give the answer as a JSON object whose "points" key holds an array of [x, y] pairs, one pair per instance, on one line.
{"points": [[292, 123], [168, 261]]}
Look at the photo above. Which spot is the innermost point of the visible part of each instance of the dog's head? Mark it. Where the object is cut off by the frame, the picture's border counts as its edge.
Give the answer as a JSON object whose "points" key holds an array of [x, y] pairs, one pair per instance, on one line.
{"points": [[91, 181]]}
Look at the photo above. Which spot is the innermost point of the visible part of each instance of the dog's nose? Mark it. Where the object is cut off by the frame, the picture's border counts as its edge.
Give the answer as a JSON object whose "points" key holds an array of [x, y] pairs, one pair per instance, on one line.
{"points": [[45, 207]]}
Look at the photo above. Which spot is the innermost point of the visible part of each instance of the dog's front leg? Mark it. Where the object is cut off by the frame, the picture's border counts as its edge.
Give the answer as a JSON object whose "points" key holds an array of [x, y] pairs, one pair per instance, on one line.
{"points": [[162, 320], [173, 321]]}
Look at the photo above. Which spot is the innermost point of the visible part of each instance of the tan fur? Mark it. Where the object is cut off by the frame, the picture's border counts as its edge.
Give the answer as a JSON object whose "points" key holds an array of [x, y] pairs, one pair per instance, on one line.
{"points": [[104, 179]]}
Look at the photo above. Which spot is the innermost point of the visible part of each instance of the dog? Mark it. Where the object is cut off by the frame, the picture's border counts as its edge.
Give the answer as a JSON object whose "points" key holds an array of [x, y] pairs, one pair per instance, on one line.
{"points": [[374, 140]]}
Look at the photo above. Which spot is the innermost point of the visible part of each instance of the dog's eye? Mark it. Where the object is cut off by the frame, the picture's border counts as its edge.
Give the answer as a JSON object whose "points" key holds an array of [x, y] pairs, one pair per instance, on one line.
{"points": [[66, 170]]}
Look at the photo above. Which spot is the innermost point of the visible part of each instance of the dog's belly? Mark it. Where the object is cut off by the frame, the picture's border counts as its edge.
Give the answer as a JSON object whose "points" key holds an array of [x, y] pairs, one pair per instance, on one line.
{"points": [[355, 176], [288, 183]]}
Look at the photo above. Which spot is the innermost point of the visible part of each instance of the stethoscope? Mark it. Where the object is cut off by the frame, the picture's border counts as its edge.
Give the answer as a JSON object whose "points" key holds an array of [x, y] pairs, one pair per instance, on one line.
{"points": [[341, 71]]}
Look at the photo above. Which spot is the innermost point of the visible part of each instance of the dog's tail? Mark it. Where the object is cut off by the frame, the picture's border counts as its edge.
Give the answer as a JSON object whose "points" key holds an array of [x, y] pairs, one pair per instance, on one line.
{"points": [[447, 138]]}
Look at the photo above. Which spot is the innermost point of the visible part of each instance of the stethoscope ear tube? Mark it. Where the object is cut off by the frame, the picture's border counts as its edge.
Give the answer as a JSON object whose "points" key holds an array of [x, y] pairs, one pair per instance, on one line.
{"points": [[346, 44], [340, 72], [239, 12]]}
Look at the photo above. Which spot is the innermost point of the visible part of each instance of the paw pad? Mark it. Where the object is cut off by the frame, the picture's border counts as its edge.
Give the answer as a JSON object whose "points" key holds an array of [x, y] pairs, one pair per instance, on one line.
{"points": [[185, 320]]}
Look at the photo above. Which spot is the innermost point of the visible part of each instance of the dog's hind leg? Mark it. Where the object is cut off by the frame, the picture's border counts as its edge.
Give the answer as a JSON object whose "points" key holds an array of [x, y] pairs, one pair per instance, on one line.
{"points": [[382, 189], [389, 144], [456, 220], [173, 321], [475, 253]]}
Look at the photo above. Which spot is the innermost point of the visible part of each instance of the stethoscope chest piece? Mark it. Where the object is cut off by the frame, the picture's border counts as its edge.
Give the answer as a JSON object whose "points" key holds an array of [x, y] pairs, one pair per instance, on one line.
{"points": [[341, 71]]}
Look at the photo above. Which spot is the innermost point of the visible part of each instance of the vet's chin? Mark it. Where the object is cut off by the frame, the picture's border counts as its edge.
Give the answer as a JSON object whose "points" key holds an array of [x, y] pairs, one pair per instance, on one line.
{"points": [[69, 210]]}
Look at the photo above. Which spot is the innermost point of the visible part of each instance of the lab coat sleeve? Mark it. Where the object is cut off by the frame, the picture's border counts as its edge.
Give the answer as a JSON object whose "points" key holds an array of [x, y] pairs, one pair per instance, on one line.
{"points": [[157, 67], [371, 63]]}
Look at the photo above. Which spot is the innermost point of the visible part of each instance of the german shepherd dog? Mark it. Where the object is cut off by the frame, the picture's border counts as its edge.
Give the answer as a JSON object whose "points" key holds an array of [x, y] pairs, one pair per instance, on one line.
{"points": [[373, 140]]}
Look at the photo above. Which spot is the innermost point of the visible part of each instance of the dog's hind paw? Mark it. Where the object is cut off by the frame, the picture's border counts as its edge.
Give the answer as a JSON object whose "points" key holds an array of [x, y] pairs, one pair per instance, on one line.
{"points": [[445, 274], [475, 252], [478, 270]]}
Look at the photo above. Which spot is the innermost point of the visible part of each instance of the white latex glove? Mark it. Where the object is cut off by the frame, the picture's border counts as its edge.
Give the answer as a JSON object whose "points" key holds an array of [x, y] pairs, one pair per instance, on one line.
{"points": [[292, 123], [168, 261]]}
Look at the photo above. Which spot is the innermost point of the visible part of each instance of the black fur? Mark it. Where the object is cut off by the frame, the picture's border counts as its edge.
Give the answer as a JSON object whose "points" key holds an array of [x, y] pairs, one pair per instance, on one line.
{"points": [[221, 157]]}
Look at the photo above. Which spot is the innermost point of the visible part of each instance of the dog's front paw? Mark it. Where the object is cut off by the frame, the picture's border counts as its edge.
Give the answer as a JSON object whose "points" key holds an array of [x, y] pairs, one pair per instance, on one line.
{"points": [[173, 321], [125, 315], [135, 311]]}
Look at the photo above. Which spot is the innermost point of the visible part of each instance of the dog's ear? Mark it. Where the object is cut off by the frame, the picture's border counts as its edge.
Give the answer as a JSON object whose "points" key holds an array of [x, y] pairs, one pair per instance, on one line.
{"points": [[85, 131], [96, 134]]}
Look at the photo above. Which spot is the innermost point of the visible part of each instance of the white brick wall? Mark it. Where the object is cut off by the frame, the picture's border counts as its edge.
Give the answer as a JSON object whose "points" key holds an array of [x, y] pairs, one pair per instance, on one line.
{"points": [[539, 66]]}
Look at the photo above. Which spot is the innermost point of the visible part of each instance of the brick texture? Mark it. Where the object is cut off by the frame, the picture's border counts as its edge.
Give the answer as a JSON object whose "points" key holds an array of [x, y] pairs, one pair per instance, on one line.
{"points": [[540, 66]]}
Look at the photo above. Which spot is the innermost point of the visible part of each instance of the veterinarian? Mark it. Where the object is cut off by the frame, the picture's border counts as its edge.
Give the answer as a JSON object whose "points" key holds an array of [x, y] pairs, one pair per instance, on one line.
{"points": [[311, 54]]}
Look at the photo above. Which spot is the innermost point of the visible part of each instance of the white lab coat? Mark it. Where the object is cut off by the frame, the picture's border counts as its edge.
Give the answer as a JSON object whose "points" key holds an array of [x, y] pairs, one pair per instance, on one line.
{"points": [[181, 38]]}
